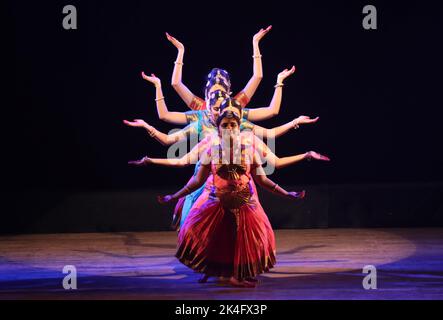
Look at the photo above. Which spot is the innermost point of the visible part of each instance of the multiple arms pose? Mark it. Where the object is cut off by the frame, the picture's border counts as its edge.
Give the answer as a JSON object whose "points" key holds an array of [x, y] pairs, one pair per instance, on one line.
{"points": [[186, 94], [261, 132], [256, 114], [258, 175], [263, 151]]}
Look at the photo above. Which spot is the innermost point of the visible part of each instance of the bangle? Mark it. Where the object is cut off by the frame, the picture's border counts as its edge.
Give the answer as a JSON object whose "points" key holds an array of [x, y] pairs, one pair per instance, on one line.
{"points": [[179, 63], [162, 98], [257, 56], [152, 133], [279, 85], [295, 125], [187, 189], [274, 187]]}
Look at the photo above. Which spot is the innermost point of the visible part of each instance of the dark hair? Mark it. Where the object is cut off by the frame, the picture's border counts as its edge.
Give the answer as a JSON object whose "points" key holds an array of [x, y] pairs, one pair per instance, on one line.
{"points": [[229, 102], [215, 81], [220, 74]]}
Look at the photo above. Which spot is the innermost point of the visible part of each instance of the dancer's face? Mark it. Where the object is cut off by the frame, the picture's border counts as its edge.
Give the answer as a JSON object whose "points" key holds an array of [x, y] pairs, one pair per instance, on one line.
{"points": [[215, 109], [229, 125]]}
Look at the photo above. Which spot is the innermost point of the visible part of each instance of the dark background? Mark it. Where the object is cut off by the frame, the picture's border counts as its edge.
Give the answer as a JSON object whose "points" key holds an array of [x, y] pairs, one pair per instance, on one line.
{"points": [[378, 95]]}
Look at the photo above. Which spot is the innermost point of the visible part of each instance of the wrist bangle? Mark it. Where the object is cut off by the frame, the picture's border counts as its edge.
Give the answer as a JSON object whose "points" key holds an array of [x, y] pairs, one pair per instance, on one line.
{"points": [[274, 187], [279, 85], [152, 133], [162, 98], [187, 189], [257, 56], [295, 125], [179, 63]]}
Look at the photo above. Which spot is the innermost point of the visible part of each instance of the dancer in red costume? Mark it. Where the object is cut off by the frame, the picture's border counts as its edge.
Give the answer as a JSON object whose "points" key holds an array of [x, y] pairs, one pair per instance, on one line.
{"points": [[227, 233]]}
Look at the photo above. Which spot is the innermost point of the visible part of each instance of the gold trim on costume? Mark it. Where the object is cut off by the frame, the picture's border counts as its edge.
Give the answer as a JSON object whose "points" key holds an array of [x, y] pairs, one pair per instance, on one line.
{"points": [[197, 103]]}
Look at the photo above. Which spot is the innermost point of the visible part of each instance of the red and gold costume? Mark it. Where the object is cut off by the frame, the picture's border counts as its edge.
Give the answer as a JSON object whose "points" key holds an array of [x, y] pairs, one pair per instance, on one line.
{"points": [[200, 104], [227, 232]]}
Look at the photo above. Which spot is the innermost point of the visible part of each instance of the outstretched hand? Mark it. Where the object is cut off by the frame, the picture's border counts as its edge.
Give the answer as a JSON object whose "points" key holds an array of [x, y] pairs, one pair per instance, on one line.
{"points": [[175, 42], [284, 74], [165, 199], [305, 120], [259, 35], [153, 79], [138, 123], [317, 156], [138, 163], [297, 195]]}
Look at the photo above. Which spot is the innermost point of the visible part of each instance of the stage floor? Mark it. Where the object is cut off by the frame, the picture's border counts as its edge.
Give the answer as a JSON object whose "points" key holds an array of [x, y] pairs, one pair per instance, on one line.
{"points": [[311, 264]]}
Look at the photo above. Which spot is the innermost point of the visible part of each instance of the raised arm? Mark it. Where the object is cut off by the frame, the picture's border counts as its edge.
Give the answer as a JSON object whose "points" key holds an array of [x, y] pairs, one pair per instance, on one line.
{"points": [[163, 112], [258, 114], [257, 76], [260, 177], [196, 182], [276, 132], [164, 139], [176, 80]]}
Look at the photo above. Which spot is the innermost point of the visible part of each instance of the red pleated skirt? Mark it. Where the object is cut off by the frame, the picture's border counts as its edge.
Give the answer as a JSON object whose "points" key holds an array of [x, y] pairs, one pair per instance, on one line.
{"points": [[227, 242]]}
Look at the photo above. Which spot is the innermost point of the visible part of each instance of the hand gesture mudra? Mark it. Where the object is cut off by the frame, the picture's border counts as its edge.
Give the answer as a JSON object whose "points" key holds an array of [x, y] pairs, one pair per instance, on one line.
{"points": [[297, 195], [316, 156], [284, 74], [175, 42], [165, 199], [153, 79], [138, 163], [259, 35], [304, 120], [138, 123]]}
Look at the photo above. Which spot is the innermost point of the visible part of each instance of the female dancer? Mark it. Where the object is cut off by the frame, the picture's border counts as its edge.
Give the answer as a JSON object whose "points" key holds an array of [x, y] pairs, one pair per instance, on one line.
{"points": [[244, 96], [227, 233], [204, 121], [185, 204]]}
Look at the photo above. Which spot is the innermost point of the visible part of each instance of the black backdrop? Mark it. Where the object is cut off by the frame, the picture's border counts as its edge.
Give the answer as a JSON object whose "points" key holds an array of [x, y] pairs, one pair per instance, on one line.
{"points": [[377, 94]]}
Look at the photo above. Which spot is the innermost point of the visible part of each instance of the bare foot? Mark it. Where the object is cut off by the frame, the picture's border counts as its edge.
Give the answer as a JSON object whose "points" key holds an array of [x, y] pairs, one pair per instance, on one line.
{"points": [[243, 284]]}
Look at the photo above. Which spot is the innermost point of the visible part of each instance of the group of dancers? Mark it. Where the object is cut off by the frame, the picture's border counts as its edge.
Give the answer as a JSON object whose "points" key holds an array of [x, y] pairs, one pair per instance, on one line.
{"points": [[223, 230]]}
